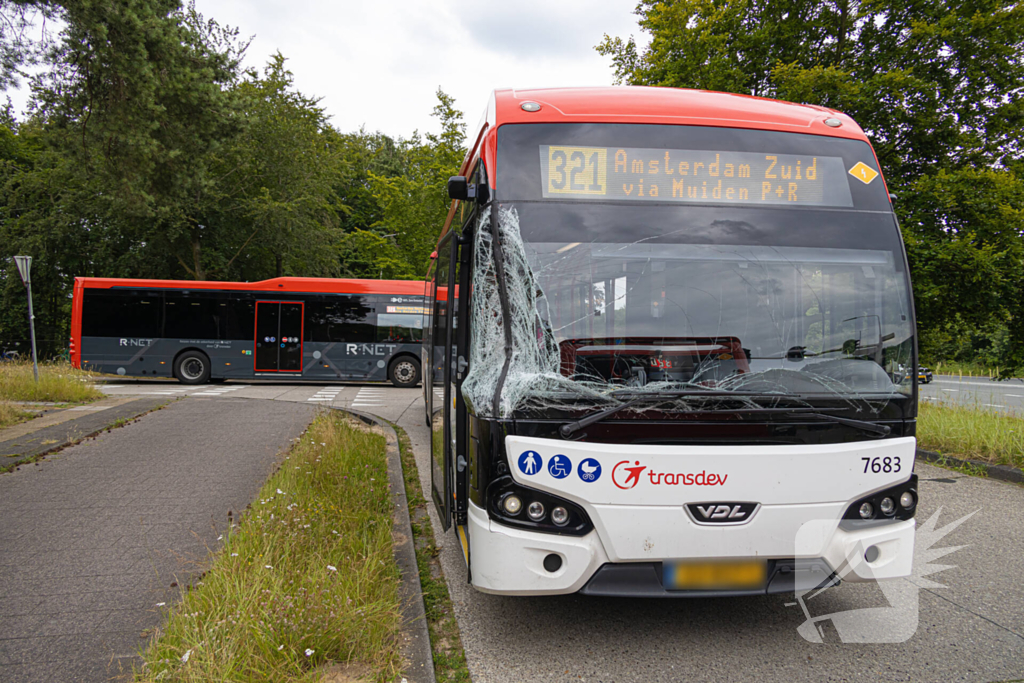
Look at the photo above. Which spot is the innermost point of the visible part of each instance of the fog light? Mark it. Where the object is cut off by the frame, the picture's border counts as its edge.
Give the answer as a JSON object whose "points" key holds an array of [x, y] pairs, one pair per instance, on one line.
{"points": [[907, 500], [872, 553], [560, 516], [512, 505], [536, 511], [867, 511], [887, 506]]}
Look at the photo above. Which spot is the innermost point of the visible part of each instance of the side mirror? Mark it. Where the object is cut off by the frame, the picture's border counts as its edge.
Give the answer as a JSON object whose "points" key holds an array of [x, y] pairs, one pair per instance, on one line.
{"points": [[459, 188]]}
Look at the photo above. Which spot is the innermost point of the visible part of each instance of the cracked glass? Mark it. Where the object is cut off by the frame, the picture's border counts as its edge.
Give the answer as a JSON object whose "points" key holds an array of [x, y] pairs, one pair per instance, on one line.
{"points": [[684, 307]]}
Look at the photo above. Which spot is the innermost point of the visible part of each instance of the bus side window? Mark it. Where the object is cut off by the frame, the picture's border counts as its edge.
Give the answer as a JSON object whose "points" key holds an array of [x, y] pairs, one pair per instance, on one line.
{"points": [[188, 316], [341, 318], [122, 314]]}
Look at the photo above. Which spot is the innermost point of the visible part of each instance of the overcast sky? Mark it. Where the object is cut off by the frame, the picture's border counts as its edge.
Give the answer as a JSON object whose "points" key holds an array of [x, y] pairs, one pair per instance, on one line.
{"points": [[379, 64]]}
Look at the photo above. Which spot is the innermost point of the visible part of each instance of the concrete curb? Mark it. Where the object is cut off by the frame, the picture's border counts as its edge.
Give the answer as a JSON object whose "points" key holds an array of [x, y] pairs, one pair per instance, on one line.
{"points": [[416, 649], [1001, 472]]}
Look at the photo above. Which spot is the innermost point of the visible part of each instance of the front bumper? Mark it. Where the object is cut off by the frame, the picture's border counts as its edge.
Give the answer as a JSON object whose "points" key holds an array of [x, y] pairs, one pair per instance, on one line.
{"points": [[510, 561]]}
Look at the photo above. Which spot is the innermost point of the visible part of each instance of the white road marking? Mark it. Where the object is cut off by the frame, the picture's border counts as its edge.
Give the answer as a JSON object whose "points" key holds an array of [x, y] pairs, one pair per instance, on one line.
{"points": [[951, 390], [993, 405], [205, 393], [1015, 396], [990, 385]]}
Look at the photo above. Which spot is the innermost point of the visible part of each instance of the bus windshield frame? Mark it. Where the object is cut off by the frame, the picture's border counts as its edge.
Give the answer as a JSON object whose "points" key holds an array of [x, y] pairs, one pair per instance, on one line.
{"points": [[749, 281]]}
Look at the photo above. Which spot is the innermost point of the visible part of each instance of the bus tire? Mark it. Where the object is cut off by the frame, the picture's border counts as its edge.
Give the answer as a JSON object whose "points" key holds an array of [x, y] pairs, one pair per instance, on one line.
{"points": [[404, 372], [192, 367]]}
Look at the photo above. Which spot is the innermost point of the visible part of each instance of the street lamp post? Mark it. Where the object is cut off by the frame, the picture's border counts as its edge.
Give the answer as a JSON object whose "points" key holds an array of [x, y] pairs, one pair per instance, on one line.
{"points": [[25, 270]]}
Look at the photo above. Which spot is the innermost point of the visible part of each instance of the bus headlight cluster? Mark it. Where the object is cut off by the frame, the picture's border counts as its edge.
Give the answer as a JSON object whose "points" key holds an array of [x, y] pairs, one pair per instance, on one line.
{"points": [[515, 505], [895, 503]]}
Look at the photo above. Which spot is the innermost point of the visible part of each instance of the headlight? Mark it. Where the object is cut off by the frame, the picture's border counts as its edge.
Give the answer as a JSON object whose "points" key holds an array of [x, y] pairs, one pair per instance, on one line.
{"points": [[535, 511], [512, 505], [866, 511], [560, 516]]}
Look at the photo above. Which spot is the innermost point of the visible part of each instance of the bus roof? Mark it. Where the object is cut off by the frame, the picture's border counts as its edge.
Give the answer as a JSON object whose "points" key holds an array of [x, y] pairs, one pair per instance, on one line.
{"points": [[641, 104], [280, 284], [636, 104]]}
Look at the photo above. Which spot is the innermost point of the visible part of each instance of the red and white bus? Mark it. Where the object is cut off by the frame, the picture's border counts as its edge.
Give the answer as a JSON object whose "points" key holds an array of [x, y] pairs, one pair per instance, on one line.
{"points": [[677, 364], [286, 328]]}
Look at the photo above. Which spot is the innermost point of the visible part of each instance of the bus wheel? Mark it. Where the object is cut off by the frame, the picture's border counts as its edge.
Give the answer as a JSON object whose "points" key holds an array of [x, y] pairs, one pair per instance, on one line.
{"points": [[404, 373], [193, 367]]}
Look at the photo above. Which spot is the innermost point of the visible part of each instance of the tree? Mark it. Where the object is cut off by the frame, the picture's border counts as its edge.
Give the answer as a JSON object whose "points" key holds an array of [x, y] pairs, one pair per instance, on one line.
{"points": [[414, 205], [279, 182], [937, 86], [139, 101]]}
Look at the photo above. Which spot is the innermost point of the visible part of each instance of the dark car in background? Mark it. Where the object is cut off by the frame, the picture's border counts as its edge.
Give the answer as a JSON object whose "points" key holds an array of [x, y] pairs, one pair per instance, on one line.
{"points": [[924, 375]]}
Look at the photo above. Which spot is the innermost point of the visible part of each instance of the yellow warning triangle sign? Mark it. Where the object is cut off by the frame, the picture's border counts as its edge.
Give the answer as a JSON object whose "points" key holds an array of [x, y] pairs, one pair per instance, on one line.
{"points": [[863, 172]]}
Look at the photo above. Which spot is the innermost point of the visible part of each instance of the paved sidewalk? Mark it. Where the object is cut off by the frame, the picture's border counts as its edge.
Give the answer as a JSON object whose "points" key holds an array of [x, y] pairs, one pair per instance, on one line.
{"points": [[92, 537], [29, 439]]}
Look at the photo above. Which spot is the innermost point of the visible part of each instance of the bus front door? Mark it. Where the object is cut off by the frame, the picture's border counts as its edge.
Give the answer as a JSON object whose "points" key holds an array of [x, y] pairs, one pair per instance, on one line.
{"points": [[278, 336]]}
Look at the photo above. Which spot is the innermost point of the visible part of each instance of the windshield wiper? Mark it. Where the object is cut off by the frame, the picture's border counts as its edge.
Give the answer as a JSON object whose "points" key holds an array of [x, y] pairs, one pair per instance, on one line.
{"points": [[870, 427], [570, 428]]}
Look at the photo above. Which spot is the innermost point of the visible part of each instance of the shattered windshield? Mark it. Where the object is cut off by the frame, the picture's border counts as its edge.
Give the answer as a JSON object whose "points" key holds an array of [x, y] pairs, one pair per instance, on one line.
{"points": [[609, 301]]}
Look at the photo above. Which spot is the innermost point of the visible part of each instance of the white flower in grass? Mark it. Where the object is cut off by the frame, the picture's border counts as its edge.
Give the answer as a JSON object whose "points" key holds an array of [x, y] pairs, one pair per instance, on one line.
{"points": [[309, 653], [268, 566], [332, 568], [234, 554], [280, 492], [280, 647], [184, 657], [160, 604]]}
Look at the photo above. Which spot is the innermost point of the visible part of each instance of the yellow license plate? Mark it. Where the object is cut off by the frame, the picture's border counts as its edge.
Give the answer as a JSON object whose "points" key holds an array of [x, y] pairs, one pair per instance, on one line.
{"points": [[741, 575]]}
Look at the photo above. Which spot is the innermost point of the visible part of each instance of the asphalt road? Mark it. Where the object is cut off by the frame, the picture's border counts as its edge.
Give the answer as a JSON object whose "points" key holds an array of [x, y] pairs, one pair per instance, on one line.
{"points": [[980, 392], [970, 628], [95, 540]]}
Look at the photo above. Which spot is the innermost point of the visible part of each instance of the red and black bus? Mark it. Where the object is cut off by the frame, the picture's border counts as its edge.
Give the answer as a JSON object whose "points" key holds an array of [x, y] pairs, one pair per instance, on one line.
{"points": [[285, 328]]}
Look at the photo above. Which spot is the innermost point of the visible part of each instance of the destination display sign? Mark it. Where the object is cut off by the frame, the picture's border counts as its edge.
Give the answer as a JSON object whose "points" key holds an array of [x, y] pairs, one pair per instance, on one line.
{"points": [[420, 310], [693, 176]]}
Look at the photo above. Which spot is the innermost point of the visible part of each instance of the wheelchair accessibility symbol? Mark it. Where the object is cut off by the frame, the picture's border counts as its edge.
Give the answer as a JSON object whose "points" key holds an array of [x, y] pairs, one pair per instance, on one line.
{"points": [[589, 470], [559, 467]]}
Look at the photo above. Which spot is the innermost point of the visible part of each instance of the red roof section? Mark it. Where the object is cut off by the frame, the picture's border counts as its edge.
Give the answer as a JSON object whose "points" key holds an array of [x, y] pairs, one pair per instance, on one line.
{"points": [[635, 104], [281, 284]]}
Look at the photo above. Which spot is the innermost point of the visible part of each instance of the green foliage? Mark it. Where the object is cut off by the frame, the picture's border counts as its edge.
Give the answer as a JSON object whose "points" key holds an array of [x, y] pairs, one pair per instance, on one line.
{"points": [[151, 153], [937, 87]]}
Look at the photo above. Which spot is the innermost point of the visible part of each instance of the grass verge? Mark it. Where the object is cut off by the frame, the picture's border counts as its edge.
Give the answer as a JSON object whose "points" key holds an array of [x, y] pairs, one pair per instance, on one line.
{"points": [[971, 433], [947, 367], [305, 580], [11, 415], [449, 657], [58, 383]]}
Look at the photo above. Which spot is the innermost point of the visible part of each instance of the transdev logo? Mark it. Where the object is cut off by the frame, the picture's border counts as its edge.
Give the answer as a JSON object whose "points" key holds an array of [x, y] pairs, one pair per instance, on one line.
{"points": [[627, 475]]}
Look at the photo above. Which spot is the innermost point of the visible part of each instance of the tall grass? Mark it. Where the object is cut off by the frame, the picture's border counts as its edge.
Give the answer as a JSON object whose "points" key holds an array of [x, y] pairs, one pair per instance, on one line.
{"points": [[58, 383], [307, 578], [10, 415], [969, 432]]}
